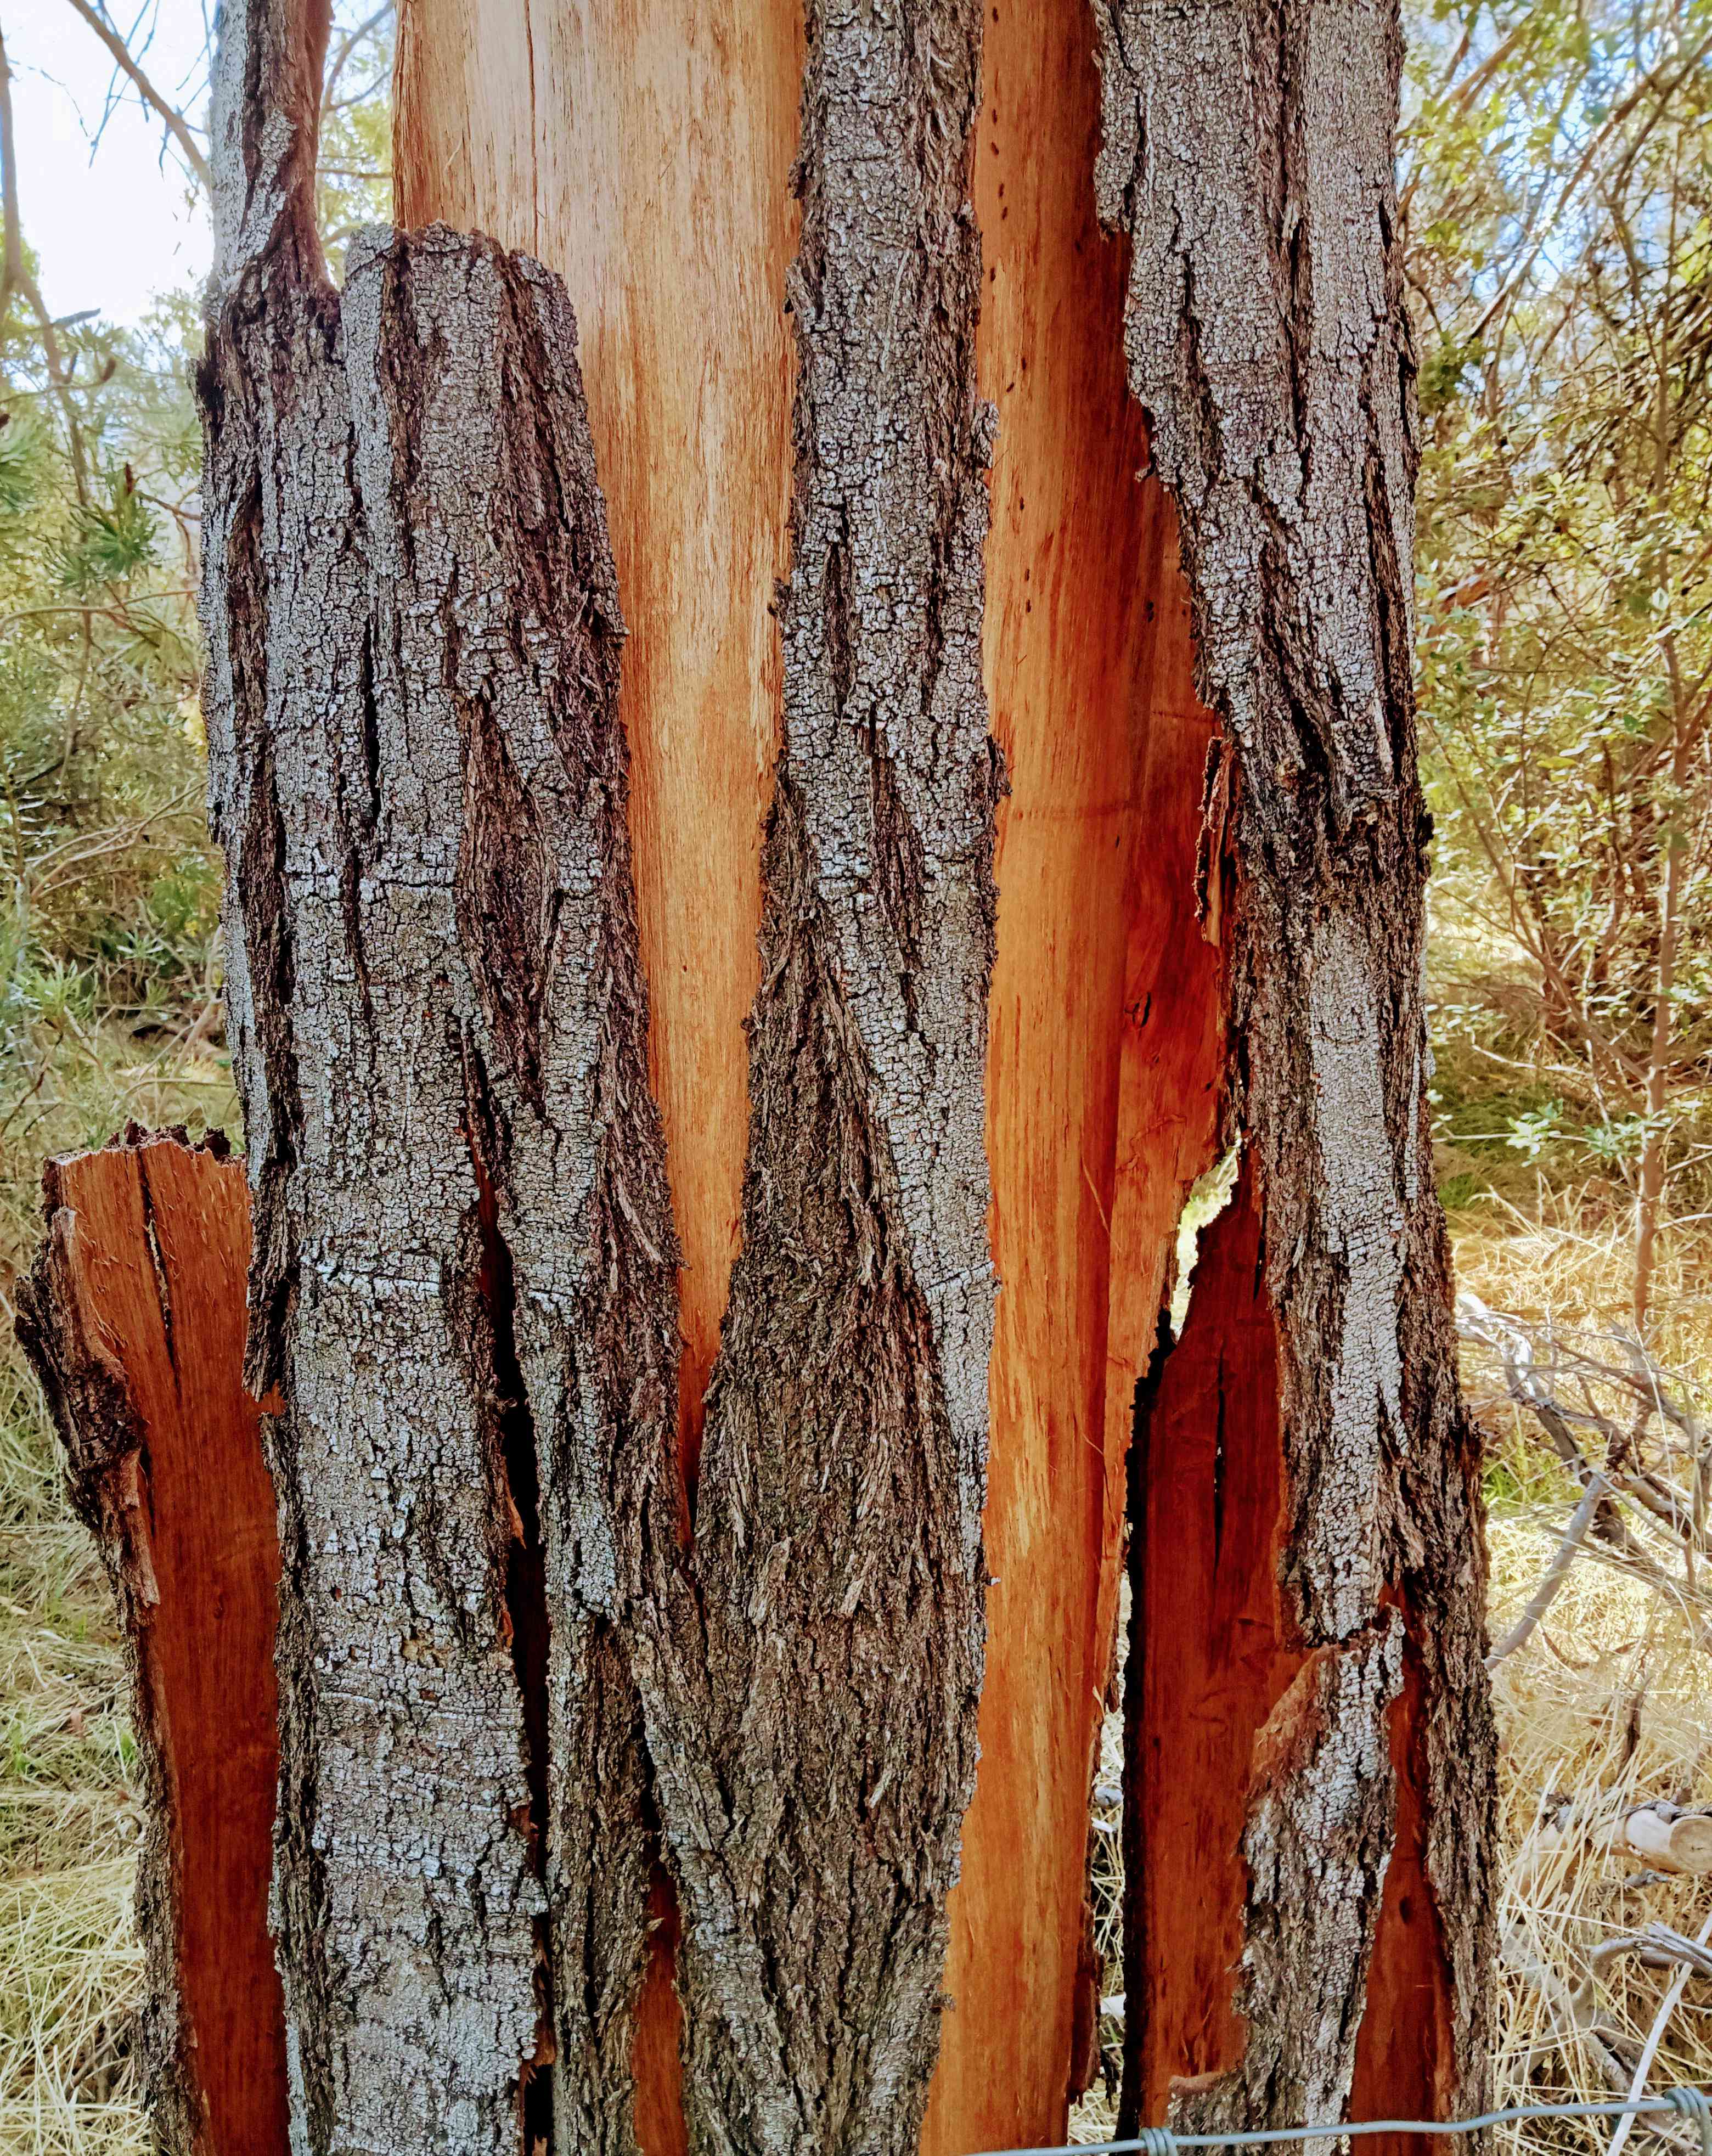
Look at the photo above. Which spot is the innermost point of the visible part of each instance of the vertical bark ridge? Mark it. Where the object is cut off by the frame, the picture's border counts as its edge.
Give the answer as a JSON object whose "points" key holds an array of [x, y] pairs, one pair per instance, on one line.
{"points": [[1248, 152], [133, 1317], [812, 1672], [464, 1257]]}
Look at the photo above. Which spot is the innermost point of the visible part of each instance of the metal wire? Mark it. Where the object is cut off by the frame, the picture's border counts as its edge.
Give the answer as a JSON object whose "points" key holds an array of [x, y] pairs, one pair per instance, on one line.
{"points": [[1690, 2103]]}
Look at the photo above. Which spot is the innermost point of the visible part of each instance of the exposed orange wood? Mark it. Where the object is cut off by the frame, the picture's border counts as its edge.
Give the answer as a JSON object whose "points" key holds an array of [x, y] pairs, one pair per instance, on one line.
{"points": [[153, 1247], [656, 2054], [1405, 2053], [1104, 1047], [1173, 1017], [1212, 1653], [642, 148]]}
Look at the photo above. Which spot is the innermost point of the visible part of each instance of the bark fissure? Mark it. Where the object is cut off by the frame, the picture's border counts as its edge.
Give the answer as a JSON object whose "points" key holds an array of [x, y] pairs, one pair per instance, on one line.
{"points": [[494, 1324]]}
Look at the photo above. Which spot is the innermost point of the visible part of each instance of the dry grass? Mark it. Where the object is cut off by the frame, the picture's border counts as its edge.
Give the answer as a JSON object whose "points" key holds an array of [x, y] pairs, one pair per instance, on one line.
{"points": [[70, 1969], [1608, 1705]]}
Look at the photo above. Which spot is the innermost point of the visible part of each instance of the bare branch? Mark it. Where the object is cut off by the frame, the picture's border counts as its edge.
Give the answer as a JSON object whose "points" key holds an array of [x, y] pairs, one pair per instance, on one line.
{"points": [[174, 121]]}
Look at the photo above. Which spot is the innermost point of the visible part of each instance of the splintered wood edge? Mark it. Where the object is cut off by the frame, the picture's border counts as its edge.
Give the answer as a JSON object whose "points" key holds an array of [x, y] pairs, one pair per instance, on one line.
{"points": [[133, 1317]]}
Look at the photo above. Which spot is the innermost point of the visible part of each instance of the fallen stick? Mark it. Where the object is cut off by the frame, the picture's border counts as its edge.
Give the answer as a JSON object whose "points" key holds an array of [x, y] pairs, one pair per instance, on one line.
{"points": [[1555, 1574], [1655, 2037], [1669, 1840]]}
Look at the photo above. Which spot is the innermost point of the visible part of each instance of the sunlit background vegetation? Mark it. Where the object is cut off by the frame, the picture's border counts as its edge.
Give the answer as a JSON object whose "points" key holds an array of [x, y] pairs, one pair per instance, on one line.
{"points": [[1557, 198]]}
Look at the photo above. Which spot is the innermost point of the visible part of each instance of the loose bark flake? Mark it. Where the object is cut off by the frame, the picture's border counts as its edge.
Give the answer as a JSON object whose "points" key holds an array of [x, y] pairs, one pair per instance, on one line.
{"points": [[463, 1278], [811, 1682], [1247, 152]]}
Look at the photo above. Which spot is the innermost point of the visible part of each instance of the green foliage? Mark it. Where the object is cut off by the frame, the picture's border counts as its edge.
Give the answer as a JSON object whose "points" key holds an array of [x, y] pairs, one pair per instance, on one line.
{"points": [[107, 936], [355, 175], [1558, 198]]}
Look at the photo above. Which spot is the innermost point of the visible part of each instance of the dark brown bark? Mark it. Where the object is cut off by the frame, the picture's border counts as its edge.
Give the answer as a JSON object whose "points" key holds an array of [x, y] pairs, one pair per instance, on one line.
{"points": [[133, 1317], [1248, 155]]}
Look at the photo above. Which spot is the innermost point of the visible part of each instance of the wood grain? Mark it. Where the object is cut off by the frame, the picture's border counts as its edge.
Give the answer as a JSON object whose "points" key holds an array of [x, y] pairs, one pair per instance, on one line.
{"points": [[1104, 1050]]}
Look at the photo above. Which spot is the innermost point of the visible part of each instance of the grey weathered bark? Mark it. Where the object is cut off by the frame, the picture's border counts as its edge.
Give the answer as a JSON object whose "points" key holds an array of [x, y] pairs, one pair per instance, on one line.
{"points": [[812, 1681], [1247, 152], [461, 1285]]}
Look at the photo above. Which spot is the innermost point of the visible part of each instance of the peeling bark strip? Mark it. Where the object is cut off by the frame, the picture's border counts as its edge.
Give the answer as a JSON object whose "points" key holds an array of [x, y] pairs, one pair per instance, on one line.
{"points": [[1248, 152], [811, 1685], [133, 1318], [463, 1283]]}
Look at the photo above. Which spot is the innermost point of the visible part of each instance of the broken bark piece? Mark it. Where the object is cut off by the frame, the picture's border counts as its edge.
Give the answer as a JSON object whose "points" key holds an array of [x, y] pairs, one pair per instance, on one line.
{"points": [[134, 1320]]}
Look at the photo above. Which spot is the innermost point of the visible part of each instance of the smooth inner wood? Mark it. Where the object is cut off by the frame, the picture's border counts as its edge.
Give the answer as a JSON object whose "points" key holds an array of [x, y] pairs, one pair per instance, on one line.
{"points": [[1103, 1067], [1405, 2051], [160, 1246]]}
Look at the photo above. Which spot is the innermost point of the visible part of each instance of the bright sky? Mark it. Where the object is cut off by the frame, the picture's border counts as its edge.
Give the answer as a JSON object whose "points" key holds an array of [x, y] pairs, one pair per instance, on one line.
{"points": [[111, 226]]}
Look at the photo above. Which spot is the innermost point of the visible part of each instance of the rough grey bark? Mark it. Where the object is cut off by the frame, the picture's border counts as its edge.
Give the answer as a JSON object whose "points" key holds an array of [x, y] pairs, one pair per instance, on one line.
{"points": [[1248, 152], [462, 1286], [812, 1678]]}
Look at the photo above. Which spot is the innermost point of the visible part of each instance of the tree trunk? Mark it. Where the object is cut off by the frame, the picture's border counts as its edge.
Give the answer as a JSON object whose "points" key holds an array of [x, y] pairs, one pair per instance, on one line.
{"points": [[633, 1611], [1249, 155], [544, 128]]}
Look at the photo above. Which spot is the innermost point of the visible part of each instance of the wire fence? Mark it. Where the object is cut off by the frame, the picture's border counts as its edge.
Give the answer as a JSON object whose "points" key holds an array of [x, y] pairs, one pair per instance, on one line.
{"points": [[1689, 2103]]}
